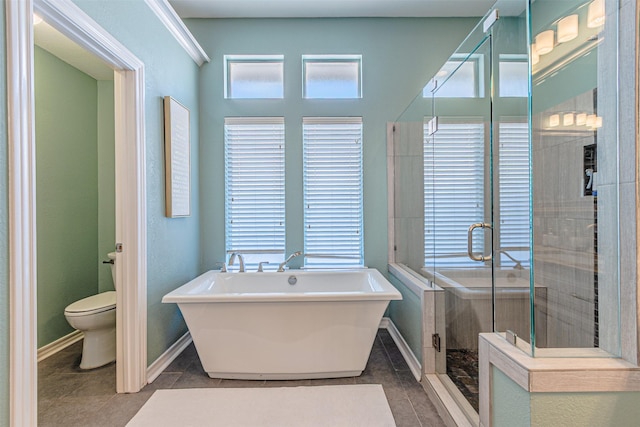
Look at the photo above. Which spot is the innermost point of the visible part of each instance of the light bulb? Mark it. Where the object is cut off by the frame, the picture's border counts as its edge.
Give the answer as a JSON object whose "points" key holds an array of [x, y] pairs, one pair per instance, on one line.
{"points": [[544, 42], [581, 119], [535, 57], [36, 19], [598, 122], [595, 14], [554, 120], [567, 119], [591, 120], [567, 28]]}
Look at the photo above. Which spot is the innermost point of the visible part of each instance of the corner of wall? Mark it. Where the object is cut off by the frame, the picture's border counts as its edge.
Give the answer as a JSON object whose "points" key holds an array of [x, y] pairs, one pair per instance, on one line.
{"points": [[4, 232]]}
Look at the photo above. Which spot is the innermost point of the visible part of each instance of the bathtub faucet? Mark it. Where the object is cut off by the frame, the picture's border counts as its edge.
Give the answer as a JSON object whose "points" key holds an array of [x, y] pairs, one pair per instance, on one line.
{"points": [[240, 260], [518, 265], [286, 261]]}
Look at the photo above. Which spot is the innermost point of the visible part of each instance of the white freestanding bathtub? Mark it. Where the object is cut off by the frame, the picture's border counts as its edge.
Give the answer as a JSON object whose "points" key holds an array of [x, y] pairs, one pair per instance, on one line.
{"points": [[289, 325]]}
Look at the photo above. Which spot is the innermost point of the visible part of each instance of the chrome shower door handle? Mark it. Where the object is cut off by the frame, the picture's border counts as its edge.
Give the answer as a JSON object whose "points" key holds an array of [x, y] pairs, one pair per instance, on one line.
{"points": [[470, 242]]}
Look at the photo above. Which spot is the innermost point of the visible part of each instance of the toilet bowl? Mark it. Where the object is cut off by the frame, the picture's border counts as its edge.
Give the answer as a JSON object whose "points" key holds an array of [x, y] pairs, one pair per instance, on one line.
{"points": [[95, 316]]}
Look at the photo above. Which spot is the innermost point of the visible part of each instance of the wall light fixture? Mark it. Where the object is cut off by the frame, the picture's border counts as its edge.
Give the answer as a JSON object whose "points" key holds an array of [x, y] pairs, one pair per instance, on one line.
{"points": [[581, 119], [535, 56], [567, 28], [544, 42], [595, 14], [567, 119]]}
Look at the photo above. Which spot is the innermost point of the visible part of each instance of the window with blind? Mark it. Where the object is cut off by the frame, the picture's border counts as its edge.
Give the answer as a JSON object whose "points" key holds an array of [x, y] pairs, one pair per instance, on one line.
{"points": [[513, 187], [454, 192], [454, 176], [332, 157], [255, 188]]}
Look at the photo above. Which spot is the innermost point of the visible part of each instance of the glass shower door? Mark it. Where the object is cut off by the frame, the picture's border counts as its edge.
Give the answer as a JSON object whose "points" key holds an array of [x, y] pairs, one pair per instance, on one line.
{"points": [[458, 236], [510, 186]]}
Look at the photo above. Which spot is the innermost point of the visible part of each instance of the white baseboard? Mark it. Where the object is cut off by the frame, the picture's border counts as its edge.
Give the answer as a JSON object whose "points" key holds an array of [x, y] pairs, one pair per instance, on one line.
{"points": [[161, 363], [59, 344], [409, 357]]}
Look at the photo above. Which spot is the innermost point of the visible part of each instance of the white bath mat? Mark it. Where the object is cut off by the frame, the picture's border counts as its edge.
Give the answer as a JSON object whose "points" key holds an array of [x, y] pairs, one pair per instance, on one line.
{"points": [[335, 406]]}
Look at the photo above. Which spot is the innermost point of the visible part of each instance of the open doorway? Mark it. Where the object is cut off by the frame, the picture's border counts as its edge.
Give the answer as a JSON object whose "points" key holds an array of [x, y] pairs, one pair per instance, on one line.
{"points": [[130, 205], [75, 212]]}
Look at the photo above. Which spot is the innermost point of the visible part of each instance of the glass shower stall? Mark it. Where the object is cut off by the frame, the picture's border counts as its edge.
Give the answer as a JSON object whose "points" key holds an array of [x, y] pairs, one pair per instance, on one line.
{"points": [[506, 187]]}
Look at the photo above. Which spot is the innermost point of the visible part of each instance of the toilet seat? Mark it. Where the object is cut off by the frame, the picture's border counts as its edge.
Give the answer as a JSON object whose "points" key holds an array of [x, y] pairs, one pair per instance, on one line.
{"points": [[92, 305]]}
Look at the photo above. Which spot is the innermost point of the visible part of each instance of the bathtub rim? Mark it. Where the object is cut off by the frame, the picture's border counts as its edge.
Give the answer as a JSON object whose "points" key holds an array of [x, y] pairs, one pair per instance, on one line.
{"points": [[468, 292], [182, 295]]}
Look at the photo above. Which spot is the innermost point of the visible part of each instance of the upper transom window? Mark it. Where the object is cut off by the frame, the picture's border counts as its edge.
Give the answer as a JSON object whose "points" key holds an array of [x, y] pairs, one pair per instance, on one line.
{"points": [[254, 76], [332, 76], [460, 77], [513, 75]]}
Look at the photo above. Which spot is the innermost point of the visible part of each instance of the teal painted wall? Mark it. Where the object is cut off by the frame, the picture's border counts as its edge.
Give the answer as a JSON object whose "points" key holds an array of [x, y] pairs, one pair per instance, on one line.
{"points": [[513, 406], [510, 402], [585, 409], [4, 235], [398, 56], [173, 245], [407, 316], [66, 190], [106, 182]]}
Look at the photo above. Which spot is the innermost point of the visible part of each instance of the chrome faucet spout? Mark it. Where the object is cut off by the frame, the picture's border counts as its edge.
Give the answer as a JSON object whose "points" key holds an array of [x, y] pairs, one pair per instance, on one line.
{"points": [[232, 258], [518, 264], [286, 261]]}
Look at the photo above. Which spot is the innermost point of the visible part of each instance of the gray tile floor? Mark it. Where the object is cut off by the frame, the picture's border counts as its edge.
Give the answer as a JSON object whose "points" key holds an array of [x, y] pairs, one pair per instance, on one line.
{"points": [[70, 397]]}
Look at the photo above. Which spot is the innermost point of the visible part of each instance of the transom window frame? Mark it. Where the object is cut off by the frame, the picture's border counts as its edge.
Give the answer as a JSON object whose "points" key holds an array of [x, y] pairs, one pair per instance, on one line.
{"points": [[257, 59], [476, 60], [521, 59], [329, 58]]}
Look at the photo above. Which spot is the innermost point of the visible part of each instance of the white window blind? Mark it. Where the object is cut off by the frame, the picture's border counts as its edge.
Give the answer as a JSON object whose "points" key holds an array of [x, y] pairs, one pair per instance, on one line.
{"points": [[332, 152], [255, 188], [513, 184], [454, 193]]}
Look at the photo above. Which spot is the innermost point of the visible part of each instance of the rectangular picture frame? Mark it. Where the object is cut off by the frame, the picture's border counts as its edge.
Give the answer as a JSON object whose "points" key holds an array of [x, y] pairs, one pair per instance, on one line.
{"points": [[177, 147]]}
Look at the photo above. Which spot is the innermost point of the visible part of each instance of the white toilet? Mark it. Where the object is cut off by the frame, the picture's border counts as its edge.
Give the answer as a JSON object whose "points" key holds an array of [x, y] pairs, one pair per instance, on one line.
{"points": [[95, 316]]}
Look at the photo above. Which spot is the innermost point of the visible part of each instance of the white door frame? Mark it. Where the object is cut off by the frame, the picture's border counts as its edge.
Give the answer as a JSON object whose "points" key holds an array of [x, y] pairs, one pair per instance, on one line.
{"points": [[131, 323]]}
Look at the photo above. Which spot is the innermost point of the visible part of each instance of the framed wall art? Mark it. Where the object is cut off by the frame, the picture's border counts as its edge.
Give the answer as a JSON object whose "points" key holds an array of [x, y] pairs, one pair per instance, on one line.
{"points": [[177, 148]]}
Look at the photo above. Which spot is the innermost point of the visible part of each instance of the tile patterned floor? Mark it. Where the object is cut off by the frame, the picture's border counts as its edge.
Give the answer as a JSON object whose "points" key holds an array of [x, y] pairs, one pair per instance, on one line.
{"points": [[70, 397], [462, 368]]}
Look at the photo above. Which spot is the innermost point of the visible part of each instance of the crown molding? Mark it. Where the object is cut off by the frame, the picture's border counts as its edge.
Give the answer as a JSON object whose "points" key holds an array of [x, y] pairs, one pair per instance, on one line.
{"points": [[176, 27]]}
